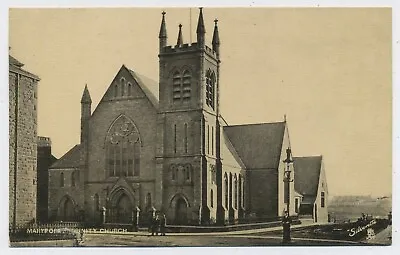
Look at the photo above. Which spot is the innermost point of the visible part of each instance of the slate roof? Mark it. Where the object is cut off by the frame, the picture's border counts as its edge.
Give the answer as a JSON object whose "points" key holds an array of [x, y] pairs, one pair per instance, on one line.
{"points": [[71, 159], [306, 175], [148, 86], [16, 66], [258, 145], [14, 61]]}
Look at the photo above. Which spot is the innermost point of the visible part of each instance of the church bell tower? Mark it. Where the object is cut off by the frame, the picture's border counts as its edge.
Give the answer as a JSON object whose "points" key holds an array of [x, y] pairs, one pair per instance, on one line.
{"points": [[187, 126]]}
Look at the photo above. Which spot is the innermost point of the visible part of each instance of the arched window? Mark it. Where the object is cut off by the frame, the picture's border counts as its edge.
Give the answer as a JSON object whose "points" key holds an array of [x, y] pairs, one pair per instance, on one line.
{"points": [[123, 86], [175, 138], [96, 202], [186, 85], [210, 89], [212, 198], [176, 87], [226, 190], [129, 89], [62, 180], [322, 199], [187, 171], [186, 138], [181, 86], [173, 173], [73, 179], [123, 148], [116, 90]]}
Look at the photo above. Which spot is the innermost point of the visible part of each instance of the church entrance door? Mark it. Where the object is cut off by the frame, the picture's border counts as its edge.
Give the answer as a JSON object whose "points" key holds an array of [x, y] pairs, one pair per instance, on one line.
{"points": [[123, 210], [181, 212], [67, 209]]}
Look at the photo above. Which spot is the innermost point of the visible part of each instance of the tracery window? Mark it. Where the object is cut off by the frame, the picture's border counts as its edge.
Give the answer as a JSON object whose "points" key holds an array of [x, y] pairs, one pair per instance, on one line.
{"points": [[210, 89], [181, 86], [123, 148]]}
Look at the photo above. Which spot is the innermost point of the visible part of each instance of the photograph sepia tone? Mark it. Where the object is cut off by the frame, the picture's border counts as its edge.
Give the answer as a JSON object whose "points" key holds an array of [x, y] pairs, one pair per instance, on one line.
{"points": [[146, 127]]}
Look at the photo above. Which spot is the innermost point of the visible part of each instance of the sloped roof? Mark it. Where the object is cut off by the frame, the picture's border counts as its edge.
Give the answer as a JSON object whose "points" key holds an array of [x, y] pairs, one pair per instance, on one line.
{"points": [[258, 145], [16, 66], [14, 61], [148, 86], [306, 174], [70, 159]]}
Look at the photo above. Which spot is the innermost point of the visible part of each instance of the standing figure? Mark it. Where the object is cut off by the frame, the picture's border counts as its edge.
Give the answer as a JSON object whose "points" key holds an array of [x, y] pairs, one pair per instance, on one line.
{"points": [[163, 223], [155, 225]]}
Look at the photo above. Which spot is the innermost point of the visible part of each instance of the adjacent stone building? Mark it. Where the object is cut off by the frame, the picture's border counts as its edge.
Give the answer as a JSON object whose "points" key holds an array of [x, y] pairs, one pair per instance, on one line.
{"points": [[165, 146], [312, 188], [22, 144], [44, 160]]}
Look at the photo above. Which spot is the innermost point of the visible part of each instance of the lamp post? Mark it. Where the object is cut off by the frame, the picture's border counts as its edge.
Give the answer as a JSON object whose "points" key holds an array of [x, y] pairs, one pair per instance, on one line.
{"points": [[286, 221]]}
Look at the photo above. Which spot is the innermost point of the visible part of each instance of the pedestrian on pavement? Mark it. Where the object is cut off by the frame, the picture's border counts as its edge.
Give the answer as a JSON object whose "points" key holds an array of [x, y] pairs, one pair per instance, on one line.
{"points": [[163, 223], [154, 225]]}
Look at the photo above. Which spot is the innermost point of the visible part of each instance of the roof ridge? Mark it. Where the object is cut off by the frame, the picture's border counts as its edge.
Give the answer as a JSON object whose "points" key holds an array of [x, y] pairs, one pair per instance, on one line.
{"points": [[254, 124], [311, 156]]}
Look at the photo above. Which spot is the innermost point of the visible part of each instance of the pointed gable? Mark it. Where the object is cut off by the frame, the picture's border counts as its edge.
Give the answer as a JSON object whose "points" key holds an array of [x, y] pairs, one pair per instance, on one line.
{"points": [[306, 175], [130, 84], [258, 145]]}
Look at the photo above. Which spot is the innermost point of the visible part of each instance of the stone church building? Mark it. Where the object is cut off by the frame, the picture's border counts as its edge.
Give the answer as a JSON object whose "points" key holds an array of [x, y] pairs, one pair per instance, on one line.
{"points": [[165, 146]]}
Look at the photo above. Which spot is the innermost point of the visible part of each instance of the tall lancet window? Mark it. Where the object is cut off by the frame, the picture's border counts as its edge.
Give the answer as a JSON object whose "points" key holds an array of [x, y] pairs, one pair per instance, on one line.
{"points": [[129, 89], [123, 148], [123, 82], [116, 90], [181, 87], [210, 89]]}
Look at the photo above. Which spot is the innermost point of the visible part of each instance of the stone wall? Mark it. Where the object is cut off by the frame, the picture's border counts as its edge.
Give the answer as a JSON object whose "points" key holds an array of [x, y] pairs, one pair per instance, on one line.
{"points": [[22, 147]]}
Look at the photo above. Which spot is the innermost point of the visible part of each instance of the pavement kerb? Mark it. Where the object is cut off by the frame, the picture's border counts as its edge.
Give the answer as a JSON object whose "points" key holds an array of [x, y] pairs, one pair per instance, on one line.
{"points": [[236, 232]]}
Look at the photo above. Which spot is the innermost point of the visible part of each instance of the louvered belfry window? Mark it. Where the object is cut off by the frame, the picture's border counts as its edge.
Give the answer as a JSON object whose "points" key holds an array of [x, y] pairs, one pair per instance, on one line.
{"points": [[210, 89], [181, 87]]}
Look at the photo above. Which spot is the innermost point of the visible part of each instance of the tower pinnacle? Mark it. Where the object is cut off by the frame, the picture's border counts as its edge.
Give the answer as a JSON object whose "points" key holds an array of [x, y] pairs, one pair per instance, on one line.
{"points": [[162, 36], [179, 41], [215, 39], [201, 30], [86, 96]]}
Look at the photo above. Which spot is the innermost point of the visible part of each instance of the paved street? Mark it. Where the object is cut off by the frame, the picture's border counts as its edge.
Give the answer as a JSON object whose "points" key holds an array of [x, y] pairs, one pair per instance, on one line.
{"points": [[253, 237]]}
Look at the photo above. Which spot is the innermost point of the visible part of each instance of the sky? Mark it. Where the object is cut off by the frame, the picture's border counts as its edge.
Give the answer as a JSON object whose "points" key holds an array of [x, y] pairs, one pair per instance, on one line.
{"points": [[328, 69]]}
